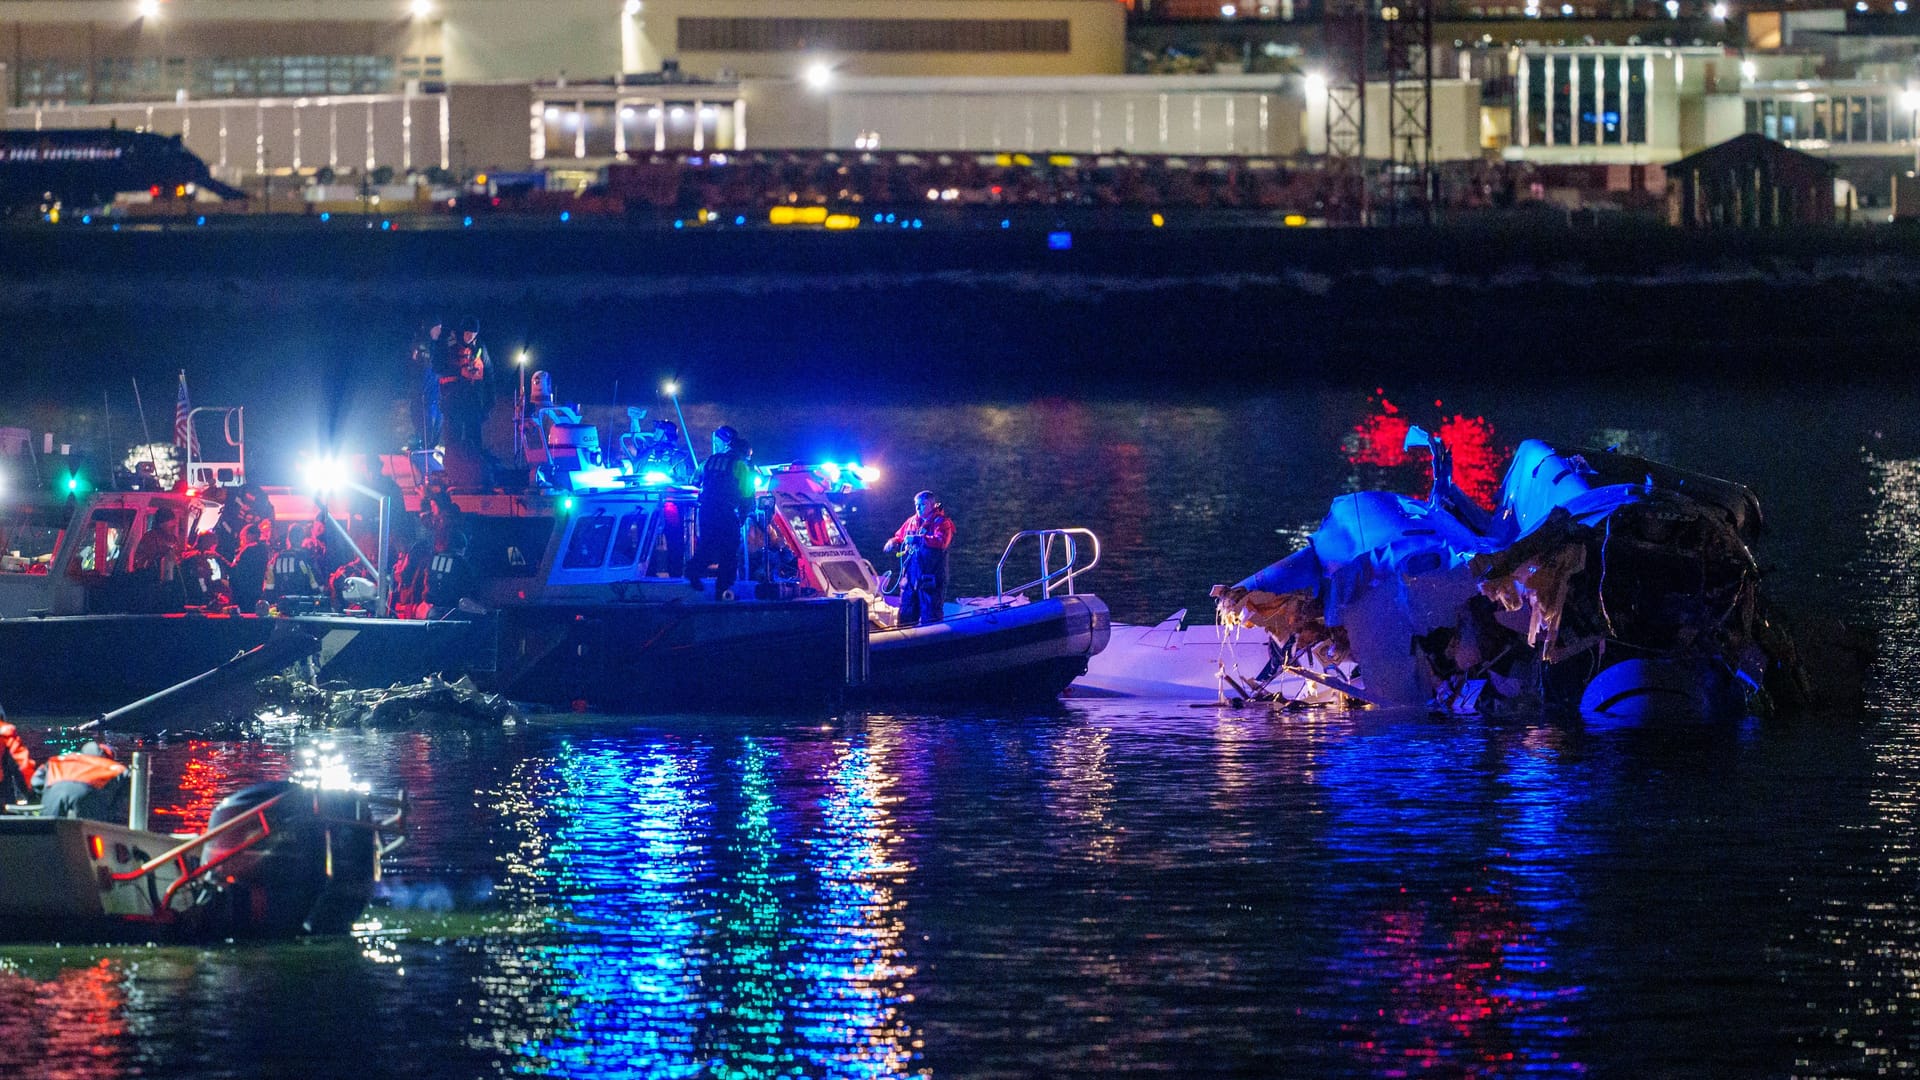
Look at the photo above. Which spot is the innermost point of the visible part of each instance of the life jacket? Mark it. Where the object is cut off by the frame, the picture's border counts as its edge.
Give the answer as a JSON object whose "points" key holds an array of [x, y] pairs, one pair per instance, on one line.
{"points": [[722, 489], [95, 772], [15, 752], [449, 579], [293, 574]]}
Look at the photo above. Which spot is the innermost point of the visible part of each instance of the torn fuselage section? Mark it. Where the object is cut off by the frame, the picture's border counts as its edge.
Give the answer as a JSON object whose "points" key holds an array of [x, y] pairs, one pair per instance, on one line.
{"points": [[1634, 600]]}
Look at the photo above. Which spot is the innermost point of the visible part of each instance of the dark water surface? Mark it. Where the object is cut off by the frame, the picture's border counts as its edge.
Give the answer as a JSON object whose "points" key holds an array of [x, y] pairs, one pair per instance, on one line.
{"points": [[1122, 886]]}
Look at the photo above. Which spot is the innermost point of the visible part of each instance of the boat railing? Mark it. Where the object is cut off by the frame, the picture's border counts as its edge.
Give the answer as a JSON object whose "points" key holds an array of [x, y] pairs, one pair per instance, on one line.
{"points": [[394, 822], [1060, 563], [202, 473]]}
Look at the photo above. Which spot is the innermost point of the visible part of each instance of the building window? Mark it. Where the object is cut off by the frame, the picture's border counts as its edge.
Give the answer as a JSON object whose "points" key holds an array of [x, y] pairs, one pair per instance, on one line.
{"points": [[874, 35], [1637, 68], [1536, 100]]}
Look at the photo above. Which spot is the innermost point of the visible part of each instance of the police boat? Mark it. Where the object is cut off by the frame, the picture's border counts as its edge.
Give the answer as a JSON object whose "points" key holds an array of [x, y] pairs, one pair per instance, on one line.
{"points": [[607, 611], [276, 859]]}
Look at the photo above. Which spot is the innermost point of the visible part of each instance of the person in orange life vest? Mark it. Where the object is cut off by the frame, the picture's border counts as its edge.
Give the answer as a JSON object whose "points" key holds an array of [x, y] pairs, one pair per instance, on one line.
{"points": [[16, 765], [923, 540], [86, 784]]}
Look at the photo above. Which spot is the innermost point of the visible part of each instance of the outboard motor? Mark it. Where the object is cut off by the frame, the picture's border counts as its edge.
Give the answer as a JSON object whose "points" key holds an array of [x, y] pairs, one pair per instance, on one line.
{"points": [[310, 869]]}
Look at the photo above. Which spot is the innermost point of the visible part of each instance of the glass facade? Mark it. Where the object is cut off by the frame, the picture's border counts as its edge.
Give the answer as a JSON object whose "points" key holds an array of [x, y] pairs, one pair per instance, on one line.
{"points": [[121, 79], [1869, 116], [1587, 98]]}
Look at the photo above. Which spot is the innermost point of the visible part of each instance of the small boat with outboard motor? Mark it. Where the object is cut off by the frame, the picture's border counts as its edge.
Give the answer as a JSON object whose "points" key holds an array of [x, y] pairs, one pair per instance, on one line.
{"points": [[1604, 583], [276, 859]]}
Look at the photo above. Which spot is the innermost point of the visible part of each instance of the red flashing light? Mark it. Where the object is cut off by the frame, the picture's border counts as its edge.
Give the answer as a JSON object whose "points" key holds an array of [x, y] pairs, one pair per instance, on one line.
{"points": [[97, 847], [154, 191]]}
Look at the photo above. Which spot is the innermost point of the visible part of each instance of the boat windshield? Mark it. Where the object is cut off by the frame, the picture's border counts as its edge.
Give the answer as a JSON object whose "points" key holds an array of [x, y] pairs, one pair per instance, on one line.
{"points": [[815, 527], [29, 536], [105, 541]]}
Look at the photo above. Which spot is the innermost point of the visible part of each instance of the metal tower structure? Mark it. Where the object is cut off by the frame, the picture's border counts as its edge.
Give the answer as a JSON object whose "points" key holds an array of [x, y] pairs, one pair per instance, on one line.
{"points": [[1410, 180], [1345, 26]]}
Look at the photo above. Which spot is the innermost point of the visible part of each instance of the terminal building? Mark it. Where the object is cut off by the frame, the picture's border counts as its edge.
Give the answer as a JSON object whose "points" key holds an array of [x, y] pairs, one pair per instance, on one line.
{"points": [[291, 87]]}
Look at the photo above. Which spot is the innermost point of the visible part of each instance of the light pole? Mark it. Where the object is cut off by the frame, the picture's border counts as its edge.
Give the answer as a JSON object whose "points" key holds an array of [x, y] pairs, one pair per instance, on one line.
{"points": [[329, 474], [672, 390], [520, 412]]}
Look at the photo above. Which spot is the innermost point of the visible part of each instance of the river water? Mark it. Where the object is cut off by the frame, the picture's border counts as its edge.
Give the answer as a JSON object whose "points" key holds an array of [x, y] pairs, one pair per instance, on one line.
{"points": [[1114, 885]]}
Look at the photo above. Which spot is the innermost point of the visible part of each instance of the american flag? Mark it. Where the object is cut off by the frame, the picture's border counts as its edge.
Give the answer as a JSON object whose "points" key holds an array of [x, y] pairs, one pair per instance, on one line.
{"points": [[183, 434]]}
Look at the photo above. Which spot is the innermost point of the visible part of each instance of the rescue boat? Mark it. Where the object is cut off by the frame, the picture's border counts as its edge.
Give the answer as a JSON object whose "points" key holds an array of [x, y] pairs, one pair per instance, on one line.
{"points": [[276, 859]]}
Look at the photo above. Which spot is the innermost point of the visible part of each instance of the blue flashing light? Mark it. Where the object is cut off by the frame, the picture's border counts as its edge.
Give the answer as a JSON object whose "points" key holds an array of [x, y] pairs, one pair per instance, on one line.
{"points": [[466, 223], [201, 220], [326, 215], [86, 219], [740, 220], [877, 218], [1006, 223], [679, 224], [566, 216], [566, 503], [916, 223], [385, 226], [1059, 241], [889, 219], [655, 476], [906, 224], [116, 226]]}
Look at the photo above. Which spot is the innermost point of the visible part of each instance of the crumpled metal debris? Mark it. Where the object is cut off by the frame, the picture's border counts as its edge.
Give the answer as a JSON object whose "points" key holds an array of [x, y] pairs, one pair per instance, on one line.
{"points": [[432, 702]]}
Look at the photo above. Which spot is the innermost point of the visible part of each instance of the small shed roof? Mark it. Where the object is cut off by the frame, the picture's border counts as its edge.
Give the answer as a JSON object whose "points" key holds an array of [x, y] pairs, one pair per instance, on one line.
{"points": [[1753, 149]]}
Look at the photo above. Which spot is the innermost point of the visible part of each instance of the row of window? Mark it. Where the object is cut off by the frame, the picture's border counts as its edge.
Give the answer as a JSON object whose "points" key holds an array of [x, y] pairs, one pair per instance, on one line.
{"points": [[1859, 118], [874, 35], [1586, 100], [114, 79]]}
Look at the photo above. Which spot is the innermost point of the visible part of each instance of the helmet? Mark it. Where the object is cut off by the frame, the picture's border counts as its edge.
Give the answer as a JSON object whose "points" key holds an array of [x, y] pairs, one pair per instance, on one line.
{"points": [[726, 434]]}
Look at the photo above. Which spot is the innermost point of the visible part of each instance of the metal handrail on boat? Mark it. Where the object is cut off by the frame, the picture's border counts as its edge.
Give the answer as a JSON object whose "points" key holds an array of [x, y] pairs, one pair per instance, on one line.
{"points": [[257, 815], [1050, 577]]}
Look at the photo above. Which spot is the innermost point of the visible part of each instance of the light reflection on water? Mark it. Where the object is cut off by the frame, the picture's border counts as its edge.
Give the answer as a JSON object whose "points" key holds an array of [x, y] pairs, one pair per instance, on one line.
{"points": [[1114, 886]]}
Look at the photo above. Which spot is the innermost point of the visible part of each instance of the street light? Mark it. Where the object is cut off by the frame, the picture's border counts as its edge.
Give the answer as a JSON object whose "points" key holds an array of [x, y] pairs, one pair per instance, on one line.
{"points": [[148, 9], [329, 474], [819, 75], [421, 8], [672, 390]]}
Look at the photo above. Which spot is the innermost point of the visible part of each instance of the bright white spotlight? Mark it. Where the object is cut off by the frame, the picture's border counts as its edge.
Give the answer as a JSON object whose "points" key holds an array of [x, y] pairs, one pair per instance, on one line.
{"points": [[521, 358], [633, 7], [670, 388], [421, 8], [148, 9], [819, 75], [1720, 12], [1316, 86], [326, 474]]}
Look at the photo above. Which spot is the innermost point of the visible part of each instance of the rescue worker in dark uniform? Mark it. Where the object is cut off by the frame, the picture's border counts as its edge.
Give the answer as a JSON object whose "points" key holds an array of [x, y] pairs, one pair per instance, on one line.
{"points": [[467, 392], [726, 493], [923, 540], [662, 453], [450, 577], [251, 565], [427, 366], [86, 784], [295, 578], [16, 764]]}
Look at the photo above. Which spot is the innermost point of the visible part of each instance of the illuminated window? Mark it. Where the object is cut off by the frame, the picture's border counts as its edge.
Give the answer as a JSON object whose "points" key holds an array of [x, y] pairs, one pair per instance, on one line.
{"points": [[874, 35]]}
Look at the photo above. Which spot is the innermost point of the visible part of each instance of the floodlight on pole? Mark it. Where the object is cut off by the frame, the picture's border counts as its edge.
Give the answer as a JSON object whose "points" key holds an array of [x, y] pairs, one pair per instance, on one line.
{"points": [[819, 75], [421, 9], [672, 389], [148, 9], [329, 473]]}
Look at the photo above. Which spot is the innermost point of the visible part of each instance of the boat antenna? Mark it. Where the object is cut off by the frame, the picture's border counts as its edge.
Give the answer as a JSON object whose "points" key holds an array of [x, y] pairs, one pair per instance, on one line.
{"points": [[106, 452], [146, 433]]}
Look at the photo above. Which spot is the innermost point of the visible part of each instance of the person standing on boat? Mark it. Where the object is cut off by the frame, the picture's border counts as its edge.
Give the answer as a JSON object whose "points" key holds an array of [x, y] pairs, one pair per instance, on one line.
{"points": [[16, 764], [450, 576], [251, 564], [923, 540], [726, 491], [466, 391], [156, 562], [84, 784], [428, 350]]}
